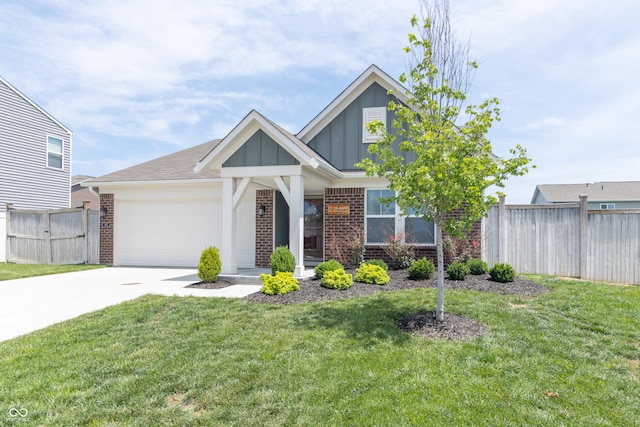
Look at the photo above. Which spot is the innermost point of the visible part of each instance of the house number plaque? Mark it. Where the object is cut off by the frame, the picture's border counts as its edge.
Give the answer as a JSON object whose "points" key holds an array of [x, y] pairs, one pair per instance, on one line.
{"points": [[338, 209]]}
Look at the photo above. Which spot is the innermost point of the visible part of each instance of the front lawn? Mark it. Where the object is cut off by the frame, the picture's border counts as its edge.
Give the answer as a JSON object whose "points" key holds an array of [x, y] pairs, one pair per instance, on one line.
{"points": [[568, 357], [20, 271]]}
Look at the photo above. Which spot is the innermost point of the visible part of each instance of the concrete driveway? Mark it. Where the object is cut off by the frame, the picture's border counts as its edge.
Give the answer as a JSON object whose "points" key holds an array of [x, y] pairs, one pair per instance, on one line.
{"points": [[30, 304]]}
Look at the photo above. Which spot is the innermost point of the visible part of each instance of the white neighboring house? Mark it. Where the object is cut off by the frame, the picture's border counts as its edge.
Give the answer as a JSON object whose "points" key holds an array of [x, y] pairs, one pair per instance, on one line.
{"points": [[35, 149], [601, 195]]}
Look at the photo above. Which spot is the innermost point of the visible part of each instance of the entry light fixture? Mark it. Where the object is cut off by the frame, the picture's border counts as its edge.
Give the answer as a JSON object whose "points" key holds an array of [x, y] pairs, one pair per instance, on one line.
{"points": [[262, 210]]}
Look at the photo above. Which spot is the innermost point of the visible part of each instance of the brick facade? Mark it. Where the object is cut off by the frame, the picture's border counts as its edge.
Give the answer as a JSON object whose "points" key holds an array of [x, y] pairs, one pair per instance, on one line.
{"points": [[106, 228], [340, 229], [264, 227]]}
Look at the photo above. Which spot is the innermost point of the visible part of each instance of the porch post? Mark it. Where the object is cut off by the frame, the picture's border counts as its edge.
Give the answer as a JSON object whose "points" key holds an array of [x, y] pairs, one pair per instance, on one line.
{"points": [[296, 222], [228, 249]]}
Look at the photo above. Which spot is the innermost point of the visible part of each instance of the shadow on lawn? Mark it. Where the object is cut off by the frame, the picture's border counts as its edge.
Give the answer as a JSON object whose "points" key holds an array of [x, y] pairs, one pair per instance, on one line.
{"points": [[367, 321]]}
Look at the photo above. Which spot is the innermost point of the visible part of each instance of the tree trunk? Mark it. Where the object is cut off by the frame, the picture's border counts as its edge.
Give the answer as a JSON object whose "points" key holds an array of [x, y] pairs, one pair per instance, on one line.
{"points": [[440, 256]]}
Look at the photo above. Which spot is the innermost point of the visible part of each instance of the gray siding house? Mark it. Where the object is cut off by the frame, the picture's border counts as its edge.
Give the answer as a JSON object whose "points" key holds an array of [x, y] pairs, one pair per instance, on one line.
{"points": [[601, 195], [35, 150], [261, 186]]}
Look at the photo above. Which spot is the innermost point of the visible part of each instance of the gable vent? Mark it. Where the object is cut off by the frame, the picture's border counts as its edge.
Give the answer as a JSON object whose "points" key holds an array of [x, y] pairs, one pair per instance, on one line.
{"points": [[369, 115]]}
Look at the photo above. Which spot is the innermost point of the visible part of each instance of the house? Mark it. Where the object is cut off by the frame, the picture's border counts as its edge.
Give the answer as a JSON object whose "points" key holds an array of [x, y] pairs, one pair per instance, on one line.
{"points": [[260, 187], [601, 195], [35, 149], [80, 194]]}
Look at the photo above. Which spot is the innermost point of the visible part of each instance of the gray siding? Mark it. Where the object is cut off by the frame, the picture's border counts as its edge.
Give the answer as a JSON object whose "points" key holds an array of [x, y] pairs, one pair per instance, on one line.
{"points": [[260, 150], [340, 142], [25, 179], [619, 205]]}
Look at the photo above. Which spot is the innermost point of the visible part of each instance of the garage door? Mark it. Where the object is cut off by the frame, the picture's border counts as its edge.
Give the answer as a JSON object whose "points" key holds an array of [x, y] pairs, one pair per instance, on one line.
{"points": [[165, 233]]}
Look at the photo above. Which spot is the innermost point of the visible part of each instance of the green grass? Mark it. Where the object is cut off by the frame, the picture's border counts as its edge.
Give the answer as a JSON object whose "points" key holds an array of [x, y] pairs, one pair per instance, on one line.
{"points": [[20, 271], [217, 362]]}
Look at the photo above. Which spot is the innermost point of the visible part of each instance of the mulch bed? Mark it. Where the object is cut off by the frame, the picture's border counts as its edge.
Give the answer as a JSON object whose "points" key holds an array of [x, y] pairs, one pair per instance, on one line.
{"points": [[454, 326]]}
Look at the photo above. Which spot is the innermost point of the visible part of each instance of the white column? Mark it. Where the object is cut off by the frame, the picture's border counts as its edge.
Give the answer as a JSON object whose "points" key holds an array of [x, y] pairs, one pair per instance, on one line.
{"points": [[228, 249], [296, 222]]}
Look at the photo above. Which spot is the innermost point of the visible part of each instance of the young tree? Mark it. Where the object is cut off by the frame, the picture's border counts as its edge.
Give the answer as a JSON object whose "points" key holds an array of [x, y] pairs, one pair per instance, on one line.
{"points": [[454, 164]]}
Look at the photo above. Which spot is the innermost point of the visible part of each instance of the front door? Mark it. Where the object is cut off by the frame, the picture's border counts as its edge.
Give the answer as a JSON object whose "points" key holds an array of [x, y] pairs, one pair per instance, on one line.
{"points": [[313, 231]]}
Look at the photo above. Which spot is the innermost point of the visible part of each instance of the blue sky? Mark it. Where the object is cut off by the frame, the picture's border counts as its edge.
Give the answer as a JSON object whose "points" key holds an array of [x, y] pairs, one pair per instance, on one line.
{"points": [[136, 79]]}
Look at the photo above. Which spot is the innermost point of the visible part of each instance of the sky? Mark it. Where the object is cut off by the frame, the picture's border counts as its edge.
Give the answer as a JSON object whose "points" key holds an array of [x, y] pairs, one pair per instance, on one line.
{"points": [[138, 79]]}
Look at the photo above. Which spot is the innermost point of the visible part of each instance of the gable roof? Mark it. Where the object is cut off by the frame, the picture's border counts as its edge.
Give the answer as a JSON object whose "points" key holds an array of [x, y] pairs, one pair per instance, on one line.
{"points": [[249, 125], [36, 106], [359, 85], [172, 167], [596, 192]]}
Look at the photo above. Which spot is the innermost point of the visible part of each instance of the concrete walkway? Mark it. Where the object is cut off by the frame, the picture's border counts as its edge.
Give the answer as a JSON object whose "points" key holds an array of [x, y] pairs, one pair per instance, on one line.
{"points": [[30, 304]]}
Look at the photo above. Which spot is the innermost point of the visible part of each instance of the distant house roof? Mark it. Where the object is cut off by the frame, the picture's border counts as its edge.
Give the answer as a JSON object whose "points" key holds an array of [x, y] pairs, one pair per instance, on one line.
{"points": [[596, 192], [172, 167]]}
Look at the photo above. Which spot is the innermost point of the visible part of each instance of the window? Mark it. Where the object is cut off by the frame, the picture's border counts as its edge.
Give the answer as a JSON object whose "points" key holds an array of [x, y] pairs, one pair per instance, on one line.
{"points": [[607, 206], [54, 152], [384, 220], [369, 115]]}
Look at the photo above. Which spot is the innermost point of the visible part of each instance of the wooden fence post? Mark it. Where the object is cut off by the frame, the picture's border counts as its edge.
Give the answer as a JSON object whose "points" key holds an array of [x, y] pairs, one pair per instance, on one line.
{"points": [[502, 232], [584, 237], [7, 230], [85, 230]]}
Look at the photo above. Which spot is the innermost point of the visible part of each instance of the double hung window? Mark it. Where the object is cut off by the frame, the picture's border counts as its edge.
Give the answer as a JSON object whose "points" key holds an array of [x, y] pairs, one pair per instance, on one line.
{"points": [[384, 221], [54, 152]]}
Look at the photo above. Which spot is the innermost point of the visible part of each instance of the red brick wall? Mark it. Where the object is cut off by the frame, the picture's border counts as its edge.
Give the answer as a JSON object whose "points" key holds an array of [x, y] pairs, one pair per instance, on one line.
{"points": [[264, 227], [106, 228], [342, 228]]}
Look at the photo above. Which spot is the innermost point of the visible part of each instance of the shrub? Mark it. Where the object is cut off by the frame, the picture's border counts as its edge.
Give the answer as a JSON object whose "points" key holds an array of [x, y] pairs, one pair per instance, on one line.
{"points": [[325, 266], [372, 274], [280, 283], [337, 279], [457, 270], [379, 263], [421, 269], [210, 265], [401, 254], [282, 260], [502, 273], [477, 266]]}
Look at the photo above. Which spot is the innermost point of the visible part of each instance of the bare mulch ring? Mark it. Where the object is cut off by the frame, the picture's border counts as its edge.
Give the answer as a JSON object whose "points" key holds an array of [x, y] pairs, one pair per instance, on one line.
{"points": [[454, 327], [206, 285]]}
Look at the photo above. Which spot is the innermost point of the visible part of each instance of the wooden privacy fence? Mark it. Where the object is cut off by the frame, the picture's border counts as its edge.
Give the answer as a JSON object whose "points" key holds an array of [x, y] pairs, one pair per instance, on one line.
{"points": [[565, 240], [56, 236]]}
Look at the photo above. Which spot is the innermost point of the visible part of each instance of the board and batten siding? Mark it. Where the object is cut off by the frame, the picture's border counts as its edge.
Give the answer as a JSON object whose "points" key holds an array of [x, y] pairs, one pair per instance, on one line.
{"points": [[260, 150], [340, 142], [25, 179]]}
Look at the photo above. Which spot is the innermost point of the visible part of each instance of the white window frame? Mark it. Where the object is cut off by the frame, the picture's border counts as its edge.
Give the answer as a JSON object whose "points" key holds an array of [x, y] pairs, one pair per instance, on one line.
{"points": [[607, 206], [61, 153], [370, 114], [399, 222]]}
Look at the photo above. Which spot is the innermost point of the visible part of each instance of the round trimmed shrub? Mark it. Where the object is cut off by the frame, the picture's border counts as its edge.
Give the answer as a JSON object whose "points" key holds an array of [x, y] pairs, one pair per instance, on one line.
{"points": [[282, 260], [279, 284], [457, 270], [502, 273], [378, 262], [337, 279], [421, 269], [477, 266], [209, 266], [372, 274], [325, 266]]}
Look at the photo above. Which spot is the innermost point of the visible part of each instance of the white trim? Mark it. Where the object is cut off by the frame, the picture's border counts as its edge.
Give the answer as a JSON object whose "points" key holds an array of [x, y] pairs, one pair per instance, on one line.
{"points": [[242, 187], [355, 89], [102, 184], [260, 171], [282, 186]]}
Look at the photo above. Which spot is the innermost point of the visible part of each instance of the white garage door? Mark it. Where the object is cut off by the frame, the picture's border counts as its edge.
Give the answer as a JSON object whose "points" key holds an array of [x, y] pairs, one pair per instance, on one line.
{"points": [[162, 233]]}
